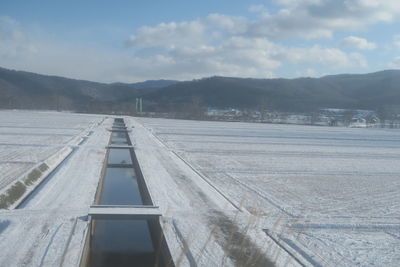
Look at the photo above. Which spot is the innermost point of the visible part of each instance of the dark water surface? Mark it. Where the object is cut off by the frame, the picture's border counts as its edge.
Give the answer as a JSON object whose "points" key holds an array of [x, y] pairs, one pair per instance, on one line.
{"points": [[120, 156], [120, 187], [119, 138], [122, 243]]}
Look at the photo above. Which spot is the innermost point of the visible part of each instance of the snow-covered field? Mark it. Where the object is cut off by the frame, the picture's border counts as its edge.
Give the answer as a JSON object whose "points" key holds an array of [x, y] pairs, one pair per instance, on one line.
{"points": [[331, 195], [49, 229], [27, 138], [314, 195]]}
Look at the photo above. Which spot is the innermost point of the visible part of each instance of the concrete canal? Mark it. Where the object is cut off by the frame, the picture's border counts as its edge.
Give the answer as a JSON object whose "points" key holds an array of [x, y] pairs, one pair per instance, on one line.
{"points": [[128, 241]]}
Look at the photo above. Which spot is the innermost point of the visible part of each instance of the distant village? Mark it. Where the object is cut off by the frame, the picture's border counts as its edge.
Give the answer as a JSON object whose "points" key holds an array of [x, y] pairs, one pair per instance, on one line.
{"points": [[322, 117]]}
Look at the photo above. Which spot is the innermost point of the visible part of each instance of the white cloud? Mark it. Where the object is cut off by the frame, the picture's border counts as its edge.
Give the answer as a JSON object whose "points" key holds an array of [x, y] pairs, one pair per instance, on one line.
{"points": [[171, 50], [258, 9], [296, 2], [320, 18], [316, 55], [358, 60], [395, 63], [14, 44], [169, 35], [295, 19], [307, 73], [22, 50], [396, 40], [232, 24], [243, 57], [354, 42], [235, 56], [217, 44], [237, 46]]}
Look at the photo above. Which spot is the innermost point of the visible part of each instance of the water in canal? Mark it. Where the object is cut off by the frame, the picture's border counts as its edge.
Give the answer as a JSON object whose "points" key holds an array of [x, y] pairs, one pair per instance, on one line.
{"points": [[122, 242], [119, 138], [119, 156]]}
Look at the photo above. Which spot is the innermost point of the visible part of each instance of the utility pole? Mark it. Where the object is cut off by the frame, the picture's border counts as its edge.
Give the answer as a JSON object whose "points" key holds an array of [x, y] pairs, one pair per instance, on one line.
{"points": [[139, 105], [58, 99]]}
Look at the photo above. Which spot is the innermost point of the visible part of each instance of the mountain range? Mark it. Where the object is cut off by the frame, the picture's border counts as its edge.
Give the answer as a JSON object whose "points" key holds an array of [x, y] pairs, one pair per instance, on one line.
{"points": [[20, 89]]}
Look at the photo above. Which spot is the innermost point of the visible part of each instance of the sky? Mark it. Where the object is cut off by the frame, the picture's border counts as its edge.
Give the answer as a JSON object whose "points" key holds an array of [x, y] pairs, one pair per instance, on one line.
{"points": [[131, 41]]}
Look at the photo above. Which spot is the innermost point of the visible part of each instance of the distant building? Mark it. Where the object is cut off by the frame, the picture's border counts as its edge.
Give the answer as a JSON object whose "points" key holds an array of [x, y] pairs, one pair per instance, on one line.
{"points": [[323, 117], [358, 123], [350, 117], [223, 114]]}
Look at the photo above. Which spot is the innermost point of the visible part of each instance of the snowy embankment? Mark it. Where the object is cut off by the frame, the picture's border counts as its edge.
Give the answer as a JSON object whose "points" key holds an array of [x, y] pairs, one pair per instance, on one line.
{"points": [[49, 228], [15, 193], [329, 196]]}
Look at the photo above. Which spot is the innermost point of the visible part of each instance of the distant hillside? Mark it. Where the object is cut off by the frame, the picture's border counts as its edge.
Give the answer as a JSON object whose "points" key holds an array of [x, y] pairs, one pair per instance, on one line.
{"points": [[155, 84], [367, 91], [21, 89]]}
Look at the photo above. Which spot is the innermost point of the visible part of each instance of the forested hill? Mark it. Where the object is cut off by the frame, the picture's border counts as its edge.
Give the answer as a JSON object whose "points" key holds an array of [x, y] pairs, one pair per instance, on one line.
{"points": [[21, 89], [367, 91]]}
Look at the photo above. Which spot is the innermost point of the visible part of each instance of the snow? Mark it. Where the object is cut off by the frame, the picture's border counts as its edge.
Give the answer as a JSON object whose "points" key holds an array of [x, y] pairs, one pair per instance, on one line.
{"points": [[288, 194], [27, 138], [199, 219], [331, 195], [50, 229]]}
